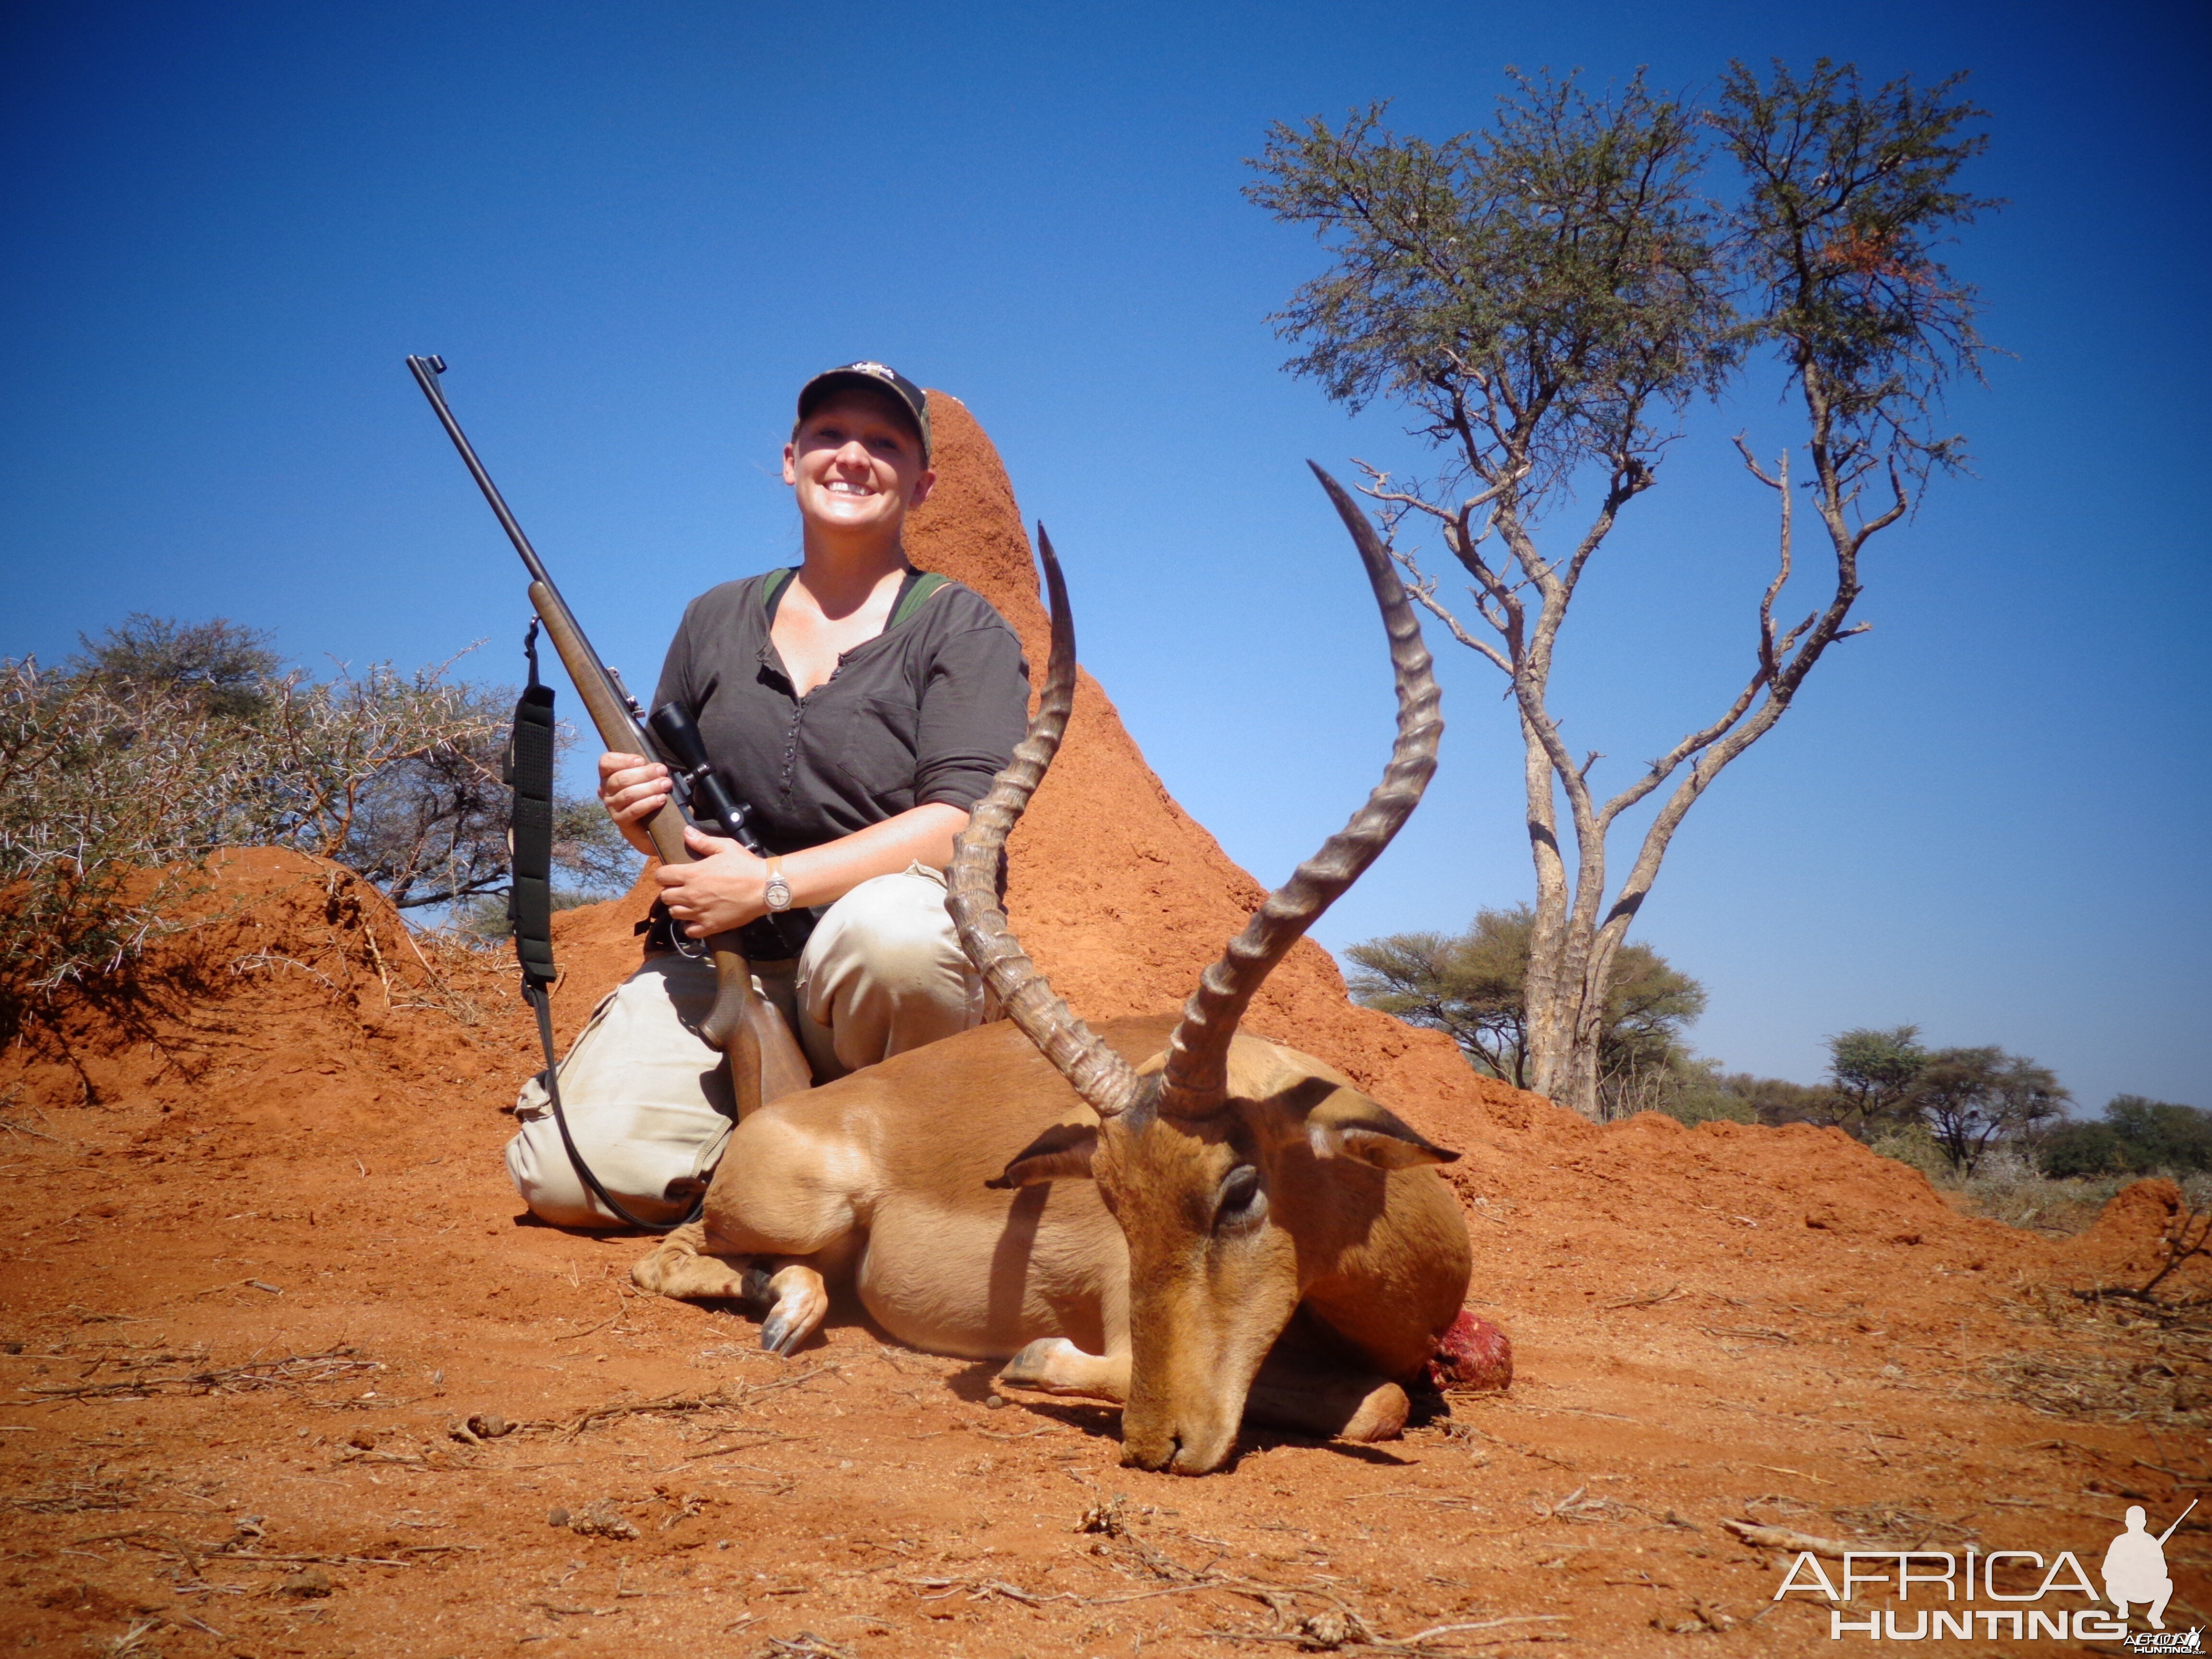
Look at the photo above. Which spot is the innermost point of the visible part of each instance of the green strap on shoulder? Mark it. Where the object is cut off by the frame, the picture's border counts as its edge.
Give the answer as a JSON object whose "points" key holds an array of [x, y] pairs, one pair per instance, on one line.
{"points": [[925, 583], [917, 589]]}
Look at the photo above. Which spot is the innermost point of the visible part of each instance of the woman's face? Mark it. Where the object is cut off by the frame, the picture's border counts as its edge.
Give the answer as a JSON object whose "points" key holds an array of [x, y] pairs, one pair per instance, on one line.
{"points": [[855, 467]]}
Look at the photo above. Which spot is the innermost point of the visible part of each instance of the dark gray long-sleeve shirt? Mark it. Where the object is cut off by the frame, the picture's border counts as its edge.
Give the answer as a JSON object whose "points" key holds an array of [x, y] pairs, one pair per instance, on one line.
{"points": [[929, 710]]}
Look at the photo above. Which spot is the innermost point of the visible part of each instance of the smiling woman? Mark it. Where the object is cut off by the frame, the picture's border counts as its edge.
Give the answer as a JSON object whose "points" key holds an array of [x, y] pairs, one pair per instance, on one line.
{"points": [[859, 707]]}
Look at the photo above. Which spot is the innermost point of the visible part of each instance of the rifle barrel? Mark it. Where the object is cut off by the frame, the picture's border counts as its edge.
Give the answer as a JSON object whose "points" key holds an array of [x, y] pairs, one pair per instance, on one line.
{"points": [[426, 371], [741, 1022], [609, 710], [2178, 1520]]}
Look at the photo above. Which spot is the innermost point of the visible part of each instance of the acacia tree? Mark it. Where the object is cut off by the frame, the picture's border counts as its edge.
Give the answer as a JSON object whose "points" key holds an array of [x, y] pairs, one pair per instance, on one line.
{"points": [[1473, 988], [1547, 298], [122, 770], [1970, 1097], [1871, 1073], [216, 667]]}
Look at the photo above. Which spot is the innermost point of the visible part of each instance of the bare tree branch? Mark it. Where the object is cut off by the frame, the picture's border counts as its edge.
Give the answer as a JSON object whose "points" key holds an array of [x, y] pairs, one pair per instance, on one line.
{"points": [[1423, 591], [1547, 297]]}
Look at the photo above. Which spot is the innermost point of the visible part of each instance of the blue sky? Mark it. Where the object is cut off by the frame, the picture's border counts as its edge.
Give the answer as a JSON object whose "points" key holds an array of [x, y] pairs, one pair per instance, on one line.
{"points": [[633, 230]]}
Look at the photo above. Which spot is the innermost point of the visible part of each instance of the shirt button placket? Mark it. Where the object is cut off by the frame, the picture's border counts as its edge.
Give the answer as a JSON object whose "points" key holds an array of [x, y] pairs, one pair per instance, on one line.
{"points": [[791, 749]]}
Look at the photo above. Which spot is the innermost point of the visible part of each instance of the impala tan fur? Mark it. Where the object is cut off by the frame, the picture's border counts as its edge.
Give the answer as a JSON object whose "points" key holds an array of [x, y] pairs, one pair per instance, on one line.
{"points": [[1198, 1225]]}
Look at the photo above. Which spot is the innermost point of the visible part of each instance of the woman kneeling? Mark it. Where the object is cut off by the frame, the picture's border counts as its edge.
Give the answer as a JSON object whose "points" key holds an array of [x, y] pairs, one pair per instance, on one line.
{"points": [[860, 708]]}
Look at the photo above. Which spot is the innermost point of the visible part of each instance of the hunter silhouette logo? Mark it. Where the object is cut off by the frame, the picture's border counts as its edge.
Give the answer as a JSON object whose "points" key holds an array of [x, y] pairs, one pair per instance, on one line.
{"points": [[2135, 1567], [1966, 1587]]}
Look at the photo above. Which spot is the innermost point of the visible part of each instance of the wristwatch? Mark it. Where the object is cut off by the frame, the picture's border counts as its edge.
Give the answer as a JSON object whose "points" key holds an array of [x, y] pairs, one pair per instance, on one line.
{"points": [[778, 891]]}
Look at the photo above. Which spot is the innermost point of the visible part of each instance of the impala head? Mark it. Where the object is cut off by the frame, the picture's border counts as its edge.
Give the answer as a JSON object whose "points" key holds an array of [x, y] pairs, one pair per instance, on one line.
{"points": [[1239, 1172]]}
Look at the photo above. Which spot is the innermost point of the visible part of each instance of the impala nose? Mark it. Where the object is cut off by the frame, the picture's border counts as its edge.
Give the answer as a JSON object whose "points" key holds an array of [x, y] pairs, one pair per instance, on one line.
{"points": [[1144, 1451]]}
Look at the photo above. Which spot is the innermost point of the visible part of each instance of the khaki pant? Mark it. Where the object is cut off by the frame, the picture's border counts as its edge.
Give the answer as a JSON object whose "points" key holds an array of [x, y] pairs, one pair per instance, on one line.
{"points": [[649, 1102]]}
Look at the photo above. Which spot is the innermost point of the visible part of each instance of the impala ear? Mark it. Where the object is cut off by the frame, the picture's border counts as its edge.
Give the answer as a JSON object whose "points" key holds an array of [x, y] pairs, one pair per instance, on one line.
{"points": [[1349, 1125], [1061, 1153]]}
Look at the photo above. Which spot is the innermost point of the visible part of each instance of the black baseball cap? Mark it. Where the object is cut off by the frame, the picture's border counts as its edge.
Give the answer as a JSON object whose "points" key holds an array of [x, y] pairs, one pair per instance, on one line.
{"points": [[874, 377]]}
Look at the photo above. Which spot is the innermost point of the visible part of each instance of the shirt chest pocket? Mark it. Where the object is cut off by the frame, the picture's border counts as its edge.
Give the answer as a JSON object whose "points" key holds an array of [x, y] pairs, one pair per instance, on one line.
{"points": [[874, 751]]}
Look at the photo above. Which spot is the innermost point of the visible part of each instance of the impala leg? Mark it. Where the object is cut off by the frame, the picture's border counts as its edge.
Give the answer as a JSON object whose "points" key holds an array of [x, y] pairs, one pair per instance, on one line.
{"points": [[1053, 1364], [1336, 1408], [778, 1225], [679, 1267], [796, 1292], [1329, 1402]]}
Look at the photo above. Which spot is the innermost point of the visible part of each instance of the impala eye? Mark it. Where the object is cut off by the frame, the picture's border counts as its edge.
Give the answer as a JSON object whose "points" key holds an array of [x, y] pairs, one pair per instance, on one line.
{"points": [[1243, 1199]]}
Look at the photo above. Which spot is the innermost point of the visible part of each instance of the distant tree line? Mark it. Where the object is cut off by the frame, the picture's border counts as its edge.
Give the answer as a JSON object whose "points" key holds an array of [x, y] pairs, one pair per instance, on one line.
{"points": [[2135, 1137], [123, 768], [1966, 1101]]}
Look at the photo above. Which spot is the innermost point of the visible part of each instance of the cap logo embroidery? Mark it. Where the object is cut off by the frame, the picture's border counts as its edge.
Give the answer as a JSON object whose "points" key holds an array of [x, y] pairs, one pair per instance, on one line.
{"points": [[876, 369]]}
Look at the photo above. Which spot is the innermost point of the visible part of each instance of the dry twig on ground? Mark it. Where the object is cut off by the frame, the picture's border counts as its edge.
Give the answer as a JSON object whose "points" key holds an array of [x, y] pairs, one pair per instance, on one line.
{"points": [[293, 1371], [1782, 1538], [721, 1399]]}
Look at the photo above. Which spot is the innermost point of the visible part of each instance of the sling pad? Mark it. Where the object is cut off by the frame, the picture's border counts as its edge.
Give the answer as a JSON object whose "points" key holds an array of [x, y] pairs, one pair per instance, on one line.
{"points": [[529, 774]]}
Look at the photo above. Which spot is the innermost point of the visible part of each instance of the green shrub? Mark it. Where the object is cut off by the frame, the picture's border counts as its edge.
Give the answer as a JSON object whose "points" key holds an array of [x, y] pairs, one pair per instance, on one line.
{"points": [[120, 772], [1911, 1144], [2082, 1149]]}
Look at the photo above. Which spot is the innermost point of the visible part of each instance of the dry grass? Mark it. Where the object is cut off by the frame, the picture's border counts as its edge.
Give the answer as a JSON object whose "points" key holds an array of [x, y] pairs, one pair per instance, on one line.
{"points": [[2119, 1361], [468, 977], [2006, 1187]]}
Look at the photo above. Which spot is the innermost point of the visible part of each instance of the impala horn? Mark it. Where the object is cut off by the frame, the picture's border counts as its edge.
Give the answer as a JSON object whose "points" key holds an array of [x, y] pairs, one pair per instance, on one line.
{"points": [[1196, 1082], [1102, 1076]]}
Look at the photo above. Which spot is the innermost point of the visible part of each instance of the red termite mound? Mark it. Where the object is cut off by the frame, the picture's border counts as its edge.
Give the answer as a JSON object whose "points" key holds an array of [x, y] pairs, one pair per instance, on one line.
{"points": [[1120, 896]]}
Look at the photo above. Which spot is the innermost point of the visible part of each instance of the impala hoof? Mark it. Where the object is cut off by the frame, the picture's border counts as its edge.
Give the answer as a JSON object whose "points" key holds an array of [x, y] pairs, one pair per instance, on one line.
{"points": [[1033, 1367], [800, 1301]]}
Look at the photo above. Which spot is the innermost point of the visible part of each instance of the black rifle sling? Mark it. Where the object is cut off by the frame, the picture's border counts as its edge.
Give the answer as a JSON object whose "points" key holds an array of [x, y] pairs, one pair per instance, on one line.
{"points": [[530, 825], [530, 901]]}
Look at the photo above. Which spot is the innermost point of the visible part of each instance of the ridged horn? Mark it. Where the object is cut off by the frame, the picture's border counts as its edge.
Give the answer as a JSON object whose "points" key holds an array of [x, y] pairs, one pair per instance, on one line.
{"points": [[1195, 1082], [1102, 1076]]}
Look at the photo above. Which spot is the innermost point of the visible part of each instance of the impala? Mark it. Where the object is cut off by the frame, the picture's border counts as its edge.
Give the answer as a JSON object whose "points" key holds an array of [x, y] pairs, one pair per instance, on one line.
{"points": [[1195, 1224]]}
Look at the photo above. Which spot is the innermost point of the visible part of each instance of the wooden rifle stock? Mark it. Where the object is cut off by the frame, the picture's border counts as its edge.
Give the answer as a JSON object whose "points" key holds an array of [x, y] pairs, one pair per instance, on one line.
{"points": [[765, 1060], [617, 728]]}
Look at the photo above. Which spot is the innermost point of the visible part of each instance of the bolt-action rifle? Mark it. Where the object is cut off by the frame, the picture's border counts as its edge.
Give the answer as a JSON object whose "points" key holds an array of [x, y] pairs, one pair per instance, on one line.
{"points": [[764, 1058]]}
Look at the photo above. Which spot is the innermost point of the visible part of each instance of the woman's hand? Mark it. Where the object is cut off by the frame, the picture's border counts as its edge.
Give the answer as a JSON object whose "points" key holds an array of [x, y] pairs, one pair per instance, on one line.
{"points": [[633, 788], [726, 889]]}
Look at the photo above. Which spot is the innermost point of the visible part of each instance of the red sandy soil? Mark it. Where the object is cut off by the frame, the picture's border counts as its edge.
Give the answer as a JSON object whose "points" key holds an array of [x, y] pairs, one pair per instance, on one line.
{"points": [[262, 1263]]}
